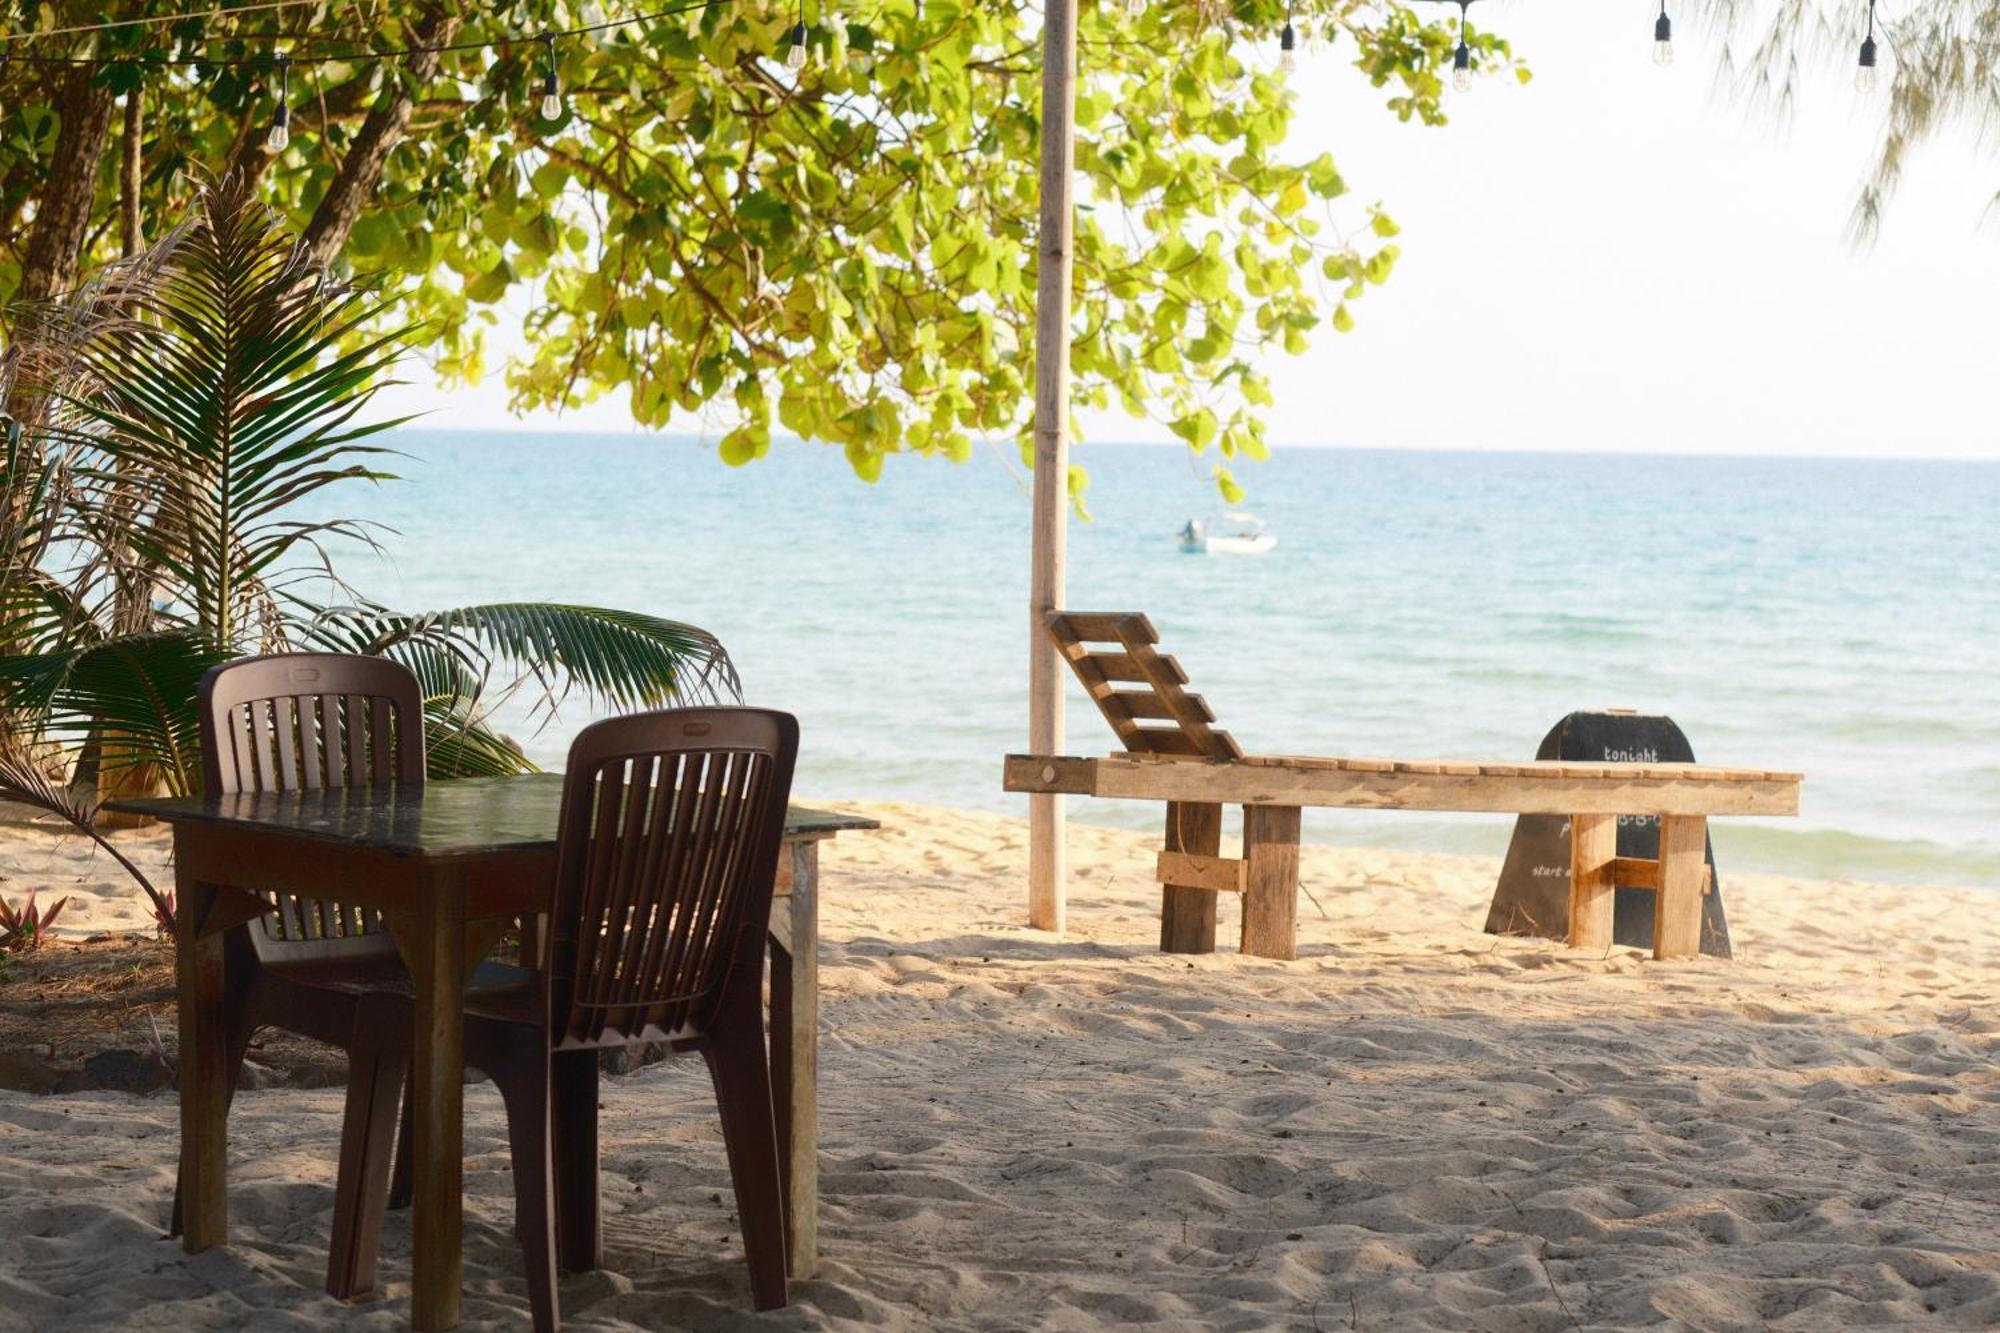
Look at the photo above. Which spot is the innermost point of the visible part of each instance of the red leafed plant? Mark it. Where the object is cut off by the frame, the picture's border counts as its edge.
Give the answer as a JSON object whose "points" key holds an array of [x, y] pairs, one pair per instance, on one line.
{"points": [[23, 928]]}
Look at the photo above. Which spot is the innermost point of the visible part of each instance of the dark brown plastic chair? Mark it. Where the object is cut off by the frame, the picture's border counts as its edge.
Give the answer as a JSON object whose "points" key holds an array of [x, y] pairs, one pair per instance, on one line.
{"points": [[670, 833], [301, 721]]}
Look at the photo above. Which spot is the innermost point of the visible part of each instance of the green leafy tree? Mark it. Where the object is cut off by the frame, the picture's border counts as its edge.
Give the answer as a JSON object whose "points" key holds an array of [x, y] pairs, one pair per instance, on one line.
{"points": [[845, 251]]}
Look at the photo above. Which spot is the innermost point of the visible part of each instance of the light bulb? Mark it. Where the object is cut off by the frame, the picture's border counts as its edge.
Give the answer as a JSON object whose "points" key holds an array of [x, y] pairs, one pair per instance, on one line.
{"points": [[1663, 41], [281, 120], [1461, 68], [1288, 50], [795, 58], [1864, 75], [552, 107]]}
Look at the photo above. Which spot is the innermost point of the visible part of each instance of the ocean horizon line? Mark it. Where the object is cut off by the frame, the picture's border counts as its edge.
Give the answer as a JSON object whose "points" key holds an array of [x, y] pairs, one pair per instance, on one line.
{"points": [[417, 427]]}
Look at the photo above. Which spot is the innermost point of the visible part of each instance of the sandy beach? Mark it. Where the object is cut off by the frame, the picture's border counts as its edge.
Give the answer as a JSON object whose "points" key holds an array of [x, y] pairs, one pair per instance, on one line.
{"points": [[1415, 1125]]}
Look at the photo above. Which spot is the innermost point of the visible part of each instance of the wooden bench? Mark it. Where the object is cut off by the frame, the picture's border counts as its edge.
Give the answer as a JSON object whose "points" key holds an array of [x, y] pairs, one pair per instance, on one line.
{"points": [[1174, 753]]}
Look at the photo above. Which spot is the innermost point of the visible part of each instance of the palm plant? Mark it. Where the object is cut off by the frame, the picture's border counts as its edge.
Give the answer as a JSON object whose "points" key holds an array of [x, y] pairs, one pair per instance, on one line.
{"points": [[170, 424]]}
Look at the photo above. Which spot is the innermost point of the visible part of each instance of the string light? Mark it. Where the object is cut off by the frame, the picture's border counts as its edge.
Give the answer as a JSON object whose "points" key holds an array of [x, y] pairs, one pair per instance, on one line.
{"points": [[280, 136], [210, 61], [1663, 38], [1288, 44], [795, 58], [1864, 74], [1461, 59], [552, 106]]}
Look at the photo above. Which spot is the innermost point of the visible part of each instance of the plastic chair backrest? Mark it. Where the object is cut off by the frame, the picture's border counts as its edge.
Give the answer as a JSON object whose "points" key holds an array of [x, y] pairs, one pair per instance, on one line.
{"points": [[303, 721], [670, 832]]}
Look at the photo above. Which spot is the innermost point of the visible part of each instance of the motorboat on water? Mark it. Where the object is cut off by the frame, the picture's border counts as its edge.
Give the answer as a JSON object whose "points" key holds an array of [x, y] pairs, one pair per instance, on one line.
{"points": [[1231, 534]]}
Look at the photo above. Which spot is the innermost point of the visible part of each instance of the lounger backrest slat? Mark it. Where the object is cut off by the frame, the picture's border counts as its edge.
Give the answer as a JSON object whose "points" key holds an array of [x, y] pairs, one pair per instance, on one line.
{"points": [[1111, 650]]}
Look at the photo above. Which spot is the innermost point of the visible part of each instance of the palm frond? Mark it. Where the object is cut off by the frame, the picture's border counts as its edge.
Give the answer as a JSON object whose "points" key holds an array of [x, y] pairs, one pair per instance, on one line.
{"points": [[231, 396], [458, 744], [133, 696], [622, 658]]}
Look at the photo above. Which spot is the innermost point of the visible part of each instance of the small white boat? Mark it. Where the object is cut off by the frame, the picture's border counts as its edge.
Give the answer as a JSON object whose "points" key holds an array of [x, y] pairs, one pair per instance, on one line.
{"points": [[1232, 534]]}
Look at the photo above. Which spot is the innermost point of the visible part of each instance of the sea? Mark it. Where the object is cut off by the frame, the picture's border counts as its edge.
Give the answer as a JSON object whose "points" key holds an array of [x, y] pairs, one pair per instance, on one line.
{"points": [[1837, 617]]}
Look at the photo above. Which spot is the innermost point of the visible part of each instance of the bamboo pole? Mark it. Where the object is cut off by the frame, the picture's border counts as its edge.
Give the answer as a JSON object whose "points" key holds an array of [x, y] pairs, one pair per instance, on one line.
{"points": [[1046, 868]]}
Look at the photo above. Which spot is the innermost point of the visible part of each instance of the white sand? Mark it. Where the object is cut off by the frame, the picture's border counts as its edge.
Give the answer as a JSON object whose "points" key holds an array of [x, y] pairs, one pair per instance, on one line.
{"points": [[1413, 1126]]}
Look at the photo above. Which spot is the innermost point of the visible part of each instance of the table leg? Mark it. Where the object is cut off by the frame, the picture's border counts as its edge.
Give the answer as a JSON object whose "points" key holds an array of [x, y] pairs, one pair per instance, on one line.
{"points": [[1593, 846], [435, 931], [204, 1066], [1187, 916], [1677, 904], [795, 1058], [1271, 885]]}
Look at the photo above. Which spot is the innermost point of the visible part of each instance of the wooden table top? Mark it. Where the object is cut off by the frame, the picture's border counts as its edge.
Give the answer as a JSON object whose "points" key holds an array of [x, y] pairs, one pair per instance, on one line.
{"points": [[438, 820]]}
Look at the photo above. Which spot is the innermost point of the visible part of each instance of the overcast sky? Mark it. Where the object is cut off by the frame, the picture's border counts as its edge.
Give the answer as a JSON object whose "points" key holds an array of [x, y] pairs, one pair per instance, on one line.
{"points": [[1618, 257]]}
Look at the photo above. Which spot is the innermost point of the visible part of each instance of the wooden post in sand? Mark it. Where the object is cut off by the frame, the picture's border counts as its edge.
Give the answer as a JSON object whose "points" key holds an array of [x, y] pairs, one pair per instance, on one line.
{"points": [[1046, 869]]}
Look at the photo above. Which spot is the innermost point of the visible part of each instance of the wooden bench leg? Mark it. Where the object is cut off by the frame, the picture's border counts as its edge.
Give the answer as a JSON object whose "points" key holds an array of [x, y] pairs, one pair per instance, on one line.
{"points": [[1677, 904], [1271, 890], [1187, 916], [1593, 846]]}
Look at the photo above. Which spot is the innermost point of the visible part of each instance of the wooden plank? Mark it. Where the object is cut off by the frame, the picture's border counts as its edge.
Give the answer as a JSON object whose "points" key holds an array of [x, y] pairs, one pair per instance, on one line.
{"points": [[1189, 870], [1150, 707], [1103, 626], [1593, 849], [1123, 667], [1271, 881], [1166, 741], [1637, 872], [1187, 911], [1677, 905], [1614, 791]]}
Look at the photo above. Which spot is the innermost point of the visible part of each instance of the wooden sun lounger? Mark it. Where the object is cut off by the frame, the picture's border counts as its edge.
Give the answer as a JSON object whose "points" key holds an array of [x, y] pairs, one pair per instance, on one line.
{"points": [[1174, 753]]}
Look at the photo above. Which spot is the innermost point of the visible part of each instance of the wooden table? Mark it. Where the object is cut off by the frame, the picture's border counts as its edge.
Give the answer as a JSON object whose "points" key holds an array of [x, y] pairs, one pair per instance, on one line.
{"points": [[450, 865]]}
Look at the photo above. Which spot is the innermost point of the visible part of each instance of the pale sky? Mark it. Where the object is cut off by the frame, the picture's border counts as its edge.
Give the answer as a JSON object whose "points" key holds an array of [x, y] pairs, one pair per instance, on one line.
{"points": [[1616, 257]]}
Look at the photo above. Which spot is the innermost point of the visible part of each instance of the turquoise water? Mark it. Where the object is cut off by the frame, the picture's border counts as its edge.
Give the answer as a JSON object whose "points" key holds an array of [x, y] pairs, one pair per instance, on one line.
{"points": [[1838, 617]]}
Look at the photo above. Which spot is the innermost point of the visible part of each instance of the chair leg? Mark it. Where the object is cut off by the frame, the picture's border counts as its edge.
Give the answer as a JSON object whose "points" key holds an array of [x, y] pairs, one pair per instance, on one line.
{"points": [[737, 1063], [375, 1080], [579, 1227], [403, 1183], [525, 1089]]}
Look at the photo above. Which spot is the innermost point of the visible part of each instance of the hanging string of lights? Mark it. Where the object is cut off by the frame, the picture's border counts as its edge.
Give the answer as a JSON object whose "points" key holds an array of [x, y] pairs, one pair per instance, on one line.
{"points": [[796, 48], [1865, 78], [314, 58]]}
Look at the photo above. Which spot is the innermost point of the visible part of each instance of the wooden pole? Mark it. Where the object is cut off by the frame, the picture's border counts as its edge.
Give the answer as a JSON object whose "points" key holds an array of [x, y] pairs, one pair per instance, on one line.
{"points": [[1046, 869]]}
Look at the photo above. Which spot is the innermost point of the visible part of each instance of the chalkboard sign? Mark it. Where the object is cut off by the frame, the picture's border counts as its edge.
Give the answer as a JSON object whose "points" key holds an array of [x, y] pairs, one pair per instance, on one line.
{"points": [[1533, 894]]}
